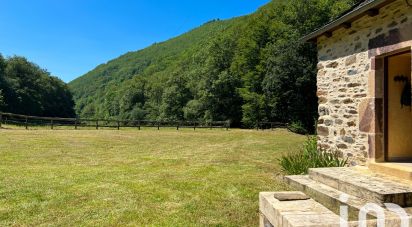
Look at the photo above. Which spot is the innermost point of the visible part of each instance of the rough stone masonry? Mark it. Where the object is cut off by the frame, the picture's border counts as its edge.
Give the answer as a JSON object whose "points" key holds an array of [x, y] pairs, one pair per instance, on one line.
{"points": [[349, 81]]}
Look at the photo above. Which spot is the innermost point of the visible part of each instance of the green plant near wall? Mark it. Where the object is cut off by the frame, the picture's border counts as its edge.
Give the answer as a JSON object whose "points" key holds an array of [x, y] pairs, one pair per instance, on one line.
{"points": [[310, 157]]}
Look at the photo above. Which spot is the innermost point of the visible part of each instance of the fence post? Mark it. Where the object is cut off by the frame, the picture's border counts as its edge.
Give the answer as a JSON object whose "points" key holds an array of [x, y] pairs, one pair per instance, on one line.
{"points": [[177, 128], [138, 124], [194, 126], [97, 124], [75, 123], [211, 125], [25, 124], [227, 125], [118, 125], [158, 125], [51, 123], [1, 119]]}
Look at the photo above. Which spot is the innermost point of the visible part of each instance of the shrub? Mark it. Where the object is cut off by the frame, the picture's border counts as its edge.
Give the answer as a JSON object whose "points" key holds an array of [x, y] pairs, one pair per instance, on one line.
{"points": [[297, 127], [310, 157], [2, 103]]}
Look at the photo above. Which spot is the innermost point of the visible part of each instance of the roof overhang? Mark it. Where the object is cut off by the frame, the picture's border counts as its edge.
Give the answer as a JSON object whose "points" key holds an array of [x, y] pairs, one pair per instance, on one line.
{"points": [[345, 21]]}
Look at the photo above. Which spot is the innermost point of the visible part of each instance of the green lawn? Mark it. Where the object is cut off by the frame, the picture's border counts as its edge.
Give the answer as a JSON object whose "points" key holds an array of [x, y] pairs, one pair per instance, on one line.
{"points": [[131, 177]]}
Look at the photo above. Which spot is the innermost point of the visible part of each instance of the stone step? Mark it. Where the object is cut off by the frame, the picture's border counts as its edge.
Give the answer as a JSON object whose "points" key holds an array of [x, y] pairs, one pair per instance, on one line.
{"points": [[294, 213], [304, 213], [362, 183], [330, 197], [399, 170]]}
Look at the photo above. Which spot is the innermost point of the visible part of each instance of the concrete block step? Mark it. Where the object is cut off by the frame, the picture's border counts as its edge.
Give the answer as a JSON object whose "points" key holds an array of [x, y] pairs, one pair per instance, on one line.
{"points": [[364, 184], [330, 197]]}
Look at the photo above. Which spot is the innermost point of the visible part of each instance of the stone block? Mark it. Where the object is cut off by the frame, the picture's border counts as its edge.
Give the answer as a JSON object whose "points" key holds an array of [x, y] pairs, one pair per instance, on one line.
{"points": [[376, 147], [332, 65], [371, 115], [350, 60], [295, 213], [290, 196], [323, 131], [327, 196], [365, 184]]}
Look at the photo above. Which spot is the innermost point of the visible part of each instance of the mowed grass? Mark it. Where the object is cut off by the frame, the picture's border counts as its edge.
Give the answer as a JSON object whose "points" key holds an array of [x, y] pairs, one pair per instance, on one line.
{"points": [[138, 178]]}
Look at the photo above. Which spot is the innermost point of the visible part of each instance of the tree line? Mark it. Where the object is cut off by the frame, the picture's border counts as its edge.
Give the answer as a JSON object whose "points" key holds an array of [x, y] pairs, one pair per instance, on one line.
{"points": [[246, 70], [27, 89]]}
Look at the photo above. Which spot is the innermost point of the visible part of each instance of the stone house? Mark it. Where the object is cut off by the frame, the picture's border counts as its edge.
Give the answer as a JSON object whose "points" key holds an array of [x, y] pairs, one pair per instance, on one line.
{"points": [[364, 90], [364, 73]]}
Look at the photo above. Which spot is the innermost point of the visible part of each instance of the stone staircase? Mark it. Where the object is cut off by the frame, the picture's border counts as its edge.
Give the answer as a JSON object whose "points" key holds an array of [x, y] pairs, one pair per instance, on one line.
{"points": [[352, 187]]}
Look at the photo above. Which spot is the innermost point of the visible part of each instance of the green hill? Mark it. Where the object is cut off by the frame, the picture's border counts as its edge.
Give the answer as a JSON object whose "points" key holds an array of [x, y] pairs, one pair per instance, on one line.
{"points": [[155, 58], [25, 88], [246, 69]]}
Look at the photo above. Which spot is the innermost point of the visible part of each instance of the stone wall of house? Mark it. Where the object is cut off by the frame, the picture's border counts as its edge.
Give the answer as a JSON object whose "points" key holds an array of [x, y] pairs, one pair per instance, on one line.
{"points": [[345, 78]]}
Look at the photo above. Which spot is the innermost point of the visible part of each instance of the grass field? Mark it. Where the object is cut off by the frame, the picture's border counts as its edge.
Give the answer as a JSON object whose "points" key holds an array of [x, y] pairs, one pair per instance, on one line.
{"points": [[130, 177]]}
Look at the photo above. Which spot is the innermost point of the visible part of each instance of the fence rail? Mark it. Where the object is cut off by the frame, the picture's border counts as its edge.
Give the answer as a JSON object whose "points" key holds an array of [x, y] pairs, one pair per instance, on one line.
{"points": [[271, 125], [52, 122]]}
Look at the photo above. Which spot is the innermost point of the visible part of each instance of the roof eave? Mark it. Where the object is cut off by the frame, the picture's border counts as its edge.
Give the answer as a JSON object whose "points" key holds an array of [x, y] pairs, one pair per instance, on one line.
{"points": [[349, 17]]}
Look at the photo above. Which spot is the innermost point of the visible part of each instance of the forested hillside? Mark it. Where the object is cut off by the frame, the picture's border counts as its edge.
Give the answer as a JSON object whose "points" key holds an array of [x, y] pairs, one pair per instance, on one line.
{"points": [[25, 88], [247, 69]]}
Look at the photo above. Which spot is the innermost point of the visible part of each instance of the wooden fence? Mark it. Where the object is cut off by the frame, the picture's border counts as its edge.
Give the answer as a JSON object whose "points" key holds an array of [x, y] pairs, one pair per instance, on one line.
{"points": [[271, 125], [52, 122]]}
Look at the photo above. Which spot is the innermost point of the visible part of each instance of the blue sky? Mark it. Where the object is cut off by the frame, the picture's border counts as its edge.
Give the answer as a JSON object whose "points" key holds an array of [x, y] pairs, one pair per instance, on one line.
{"points": [[71, 37]]}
